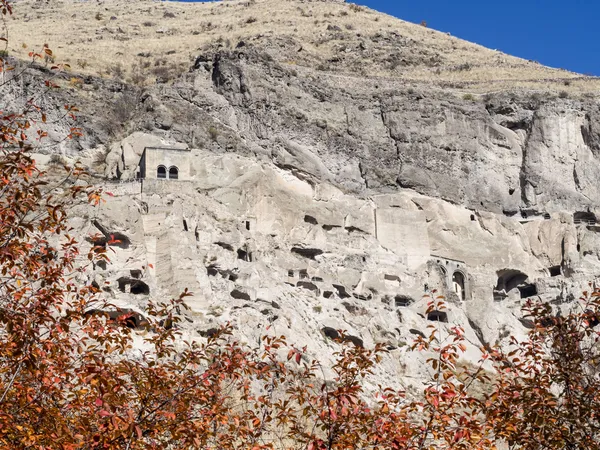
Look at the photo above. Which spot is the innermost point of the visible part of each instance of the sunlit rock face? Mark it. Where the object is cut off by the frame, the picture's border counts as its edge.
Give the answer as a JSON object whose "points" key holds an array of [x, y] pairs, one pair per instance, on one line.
{"points": [[298, 192]]}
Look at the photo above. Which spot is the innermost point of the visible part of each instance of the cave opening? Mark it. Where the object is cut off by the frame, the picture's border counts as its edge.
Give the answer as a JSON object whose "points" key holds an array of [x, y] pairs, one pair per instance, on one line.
{"points": [[554, 271], [527, 290], [458, 285], [438, 316], [584, 218]]}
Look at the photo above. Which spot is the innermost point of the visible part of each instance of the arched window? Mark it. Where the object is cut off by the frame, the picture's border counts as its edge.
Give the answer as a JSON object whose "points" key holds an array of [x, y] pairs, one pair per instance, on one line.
{"points": [[161, 172], [173, 173], [458, 284]]}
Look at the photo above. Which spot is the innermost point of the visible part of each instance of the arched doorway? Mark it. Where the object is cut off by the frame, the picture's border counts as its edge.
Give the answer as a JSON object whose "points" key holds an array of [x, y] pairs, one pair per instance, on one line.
{"points": [[458, 285], [173, 173], [161, 172]]}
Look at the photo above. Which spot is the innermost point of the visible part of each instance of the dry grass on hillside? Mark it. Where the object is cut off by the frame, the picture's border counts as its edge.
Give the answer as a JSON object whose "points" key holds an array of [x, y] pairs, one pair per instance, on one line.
{"points": [[141, 40]]}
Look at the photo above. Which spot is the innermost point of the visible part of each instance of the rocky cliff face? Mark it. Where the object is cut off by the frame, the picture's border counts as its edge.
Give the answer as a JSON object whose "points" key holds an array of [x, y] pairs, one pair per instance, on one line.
{"points": [[318, 199]]}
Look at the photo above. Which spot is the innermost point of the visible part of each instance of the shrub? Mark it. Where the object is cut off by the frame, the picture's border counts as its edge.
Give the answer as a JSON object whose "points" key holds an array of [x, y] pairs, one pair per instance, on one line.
{"points": [[213, 133], [76, 82], [563, 94], [56, 160]]}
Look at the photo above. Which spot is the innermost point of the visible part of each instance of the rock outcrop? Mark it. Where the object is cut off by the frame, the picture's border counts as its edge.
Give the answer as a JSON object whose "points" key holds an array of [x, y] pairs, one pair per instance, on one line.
{"points": [[312, 199]]}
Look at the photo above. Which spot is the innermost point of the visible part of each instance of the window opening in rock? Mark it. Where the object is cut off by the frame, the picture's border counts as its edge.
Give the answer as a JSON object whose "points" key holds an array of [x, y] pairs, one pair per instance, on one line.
{"points": [[135, 273], [308, 285], [248, 225], [458, 284], [511, 191], [161, 172], [303, 273], [473, 217], [527, 290], [508, 279], [290, 273], [402, 300], [173, 173], [341, 291], [244, 255], [240, 295], [584, 218], [438, 316], [185, 226], [554, 271], [310, 253], [140, 288], [133, 286], [311, 220], [547, 216]]}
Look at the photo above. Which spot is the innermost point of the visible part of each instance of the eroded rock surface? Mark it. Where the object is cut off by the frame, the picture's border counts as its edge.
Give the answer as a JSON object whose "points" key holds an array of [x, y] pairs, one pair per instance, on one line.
{"points": [[314, 200]]}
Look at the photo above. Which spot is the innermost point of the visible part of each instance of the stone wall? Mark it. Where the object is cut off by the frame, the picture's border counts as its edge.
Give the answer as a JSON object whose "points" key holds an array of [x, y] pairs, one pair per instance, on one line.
{"points": [[404, 233], [154, 158]]}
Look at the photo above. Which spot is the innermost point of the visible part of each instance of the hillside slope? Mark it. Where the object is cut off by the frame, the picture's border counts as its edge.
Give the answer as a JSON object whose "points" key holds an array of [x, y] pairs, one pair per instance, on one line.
{"points": [[123, 37]]}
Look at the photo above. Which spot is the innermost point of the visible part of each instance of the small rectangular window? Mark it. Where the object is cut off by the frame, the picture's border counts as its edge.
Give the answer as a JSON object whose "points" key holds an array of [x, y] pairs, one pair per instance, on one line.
{"points": [[554, 271]]}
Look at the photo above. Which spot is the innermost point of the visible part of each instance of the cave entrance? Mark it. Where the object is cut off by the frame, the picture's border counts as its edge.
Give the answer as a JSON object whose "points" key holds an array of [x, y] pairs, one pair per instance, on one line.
{"points": [[458, 285], [527, 290], [509, 279], [584, 218], [437, 316]]}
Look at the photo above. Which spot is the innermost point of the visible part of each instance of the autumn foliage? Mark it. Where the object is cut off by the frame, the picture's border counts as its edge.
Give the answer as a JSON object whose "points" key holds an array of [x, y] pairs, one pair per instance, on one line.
{"points": [[74, 380]]}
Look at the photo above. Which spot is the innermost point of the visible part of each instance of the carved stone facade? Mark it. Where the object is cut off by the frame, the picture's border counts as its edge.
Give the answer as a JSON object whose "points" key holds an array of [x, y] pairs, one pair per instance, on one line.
{"points": [[170, 163]]}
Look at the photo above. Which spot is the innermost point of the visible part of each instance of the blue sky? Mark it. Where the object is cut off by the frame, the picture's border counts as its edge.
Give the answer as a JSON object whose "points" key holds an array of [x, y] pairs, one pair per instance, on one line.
{"points": [[557, 33]]}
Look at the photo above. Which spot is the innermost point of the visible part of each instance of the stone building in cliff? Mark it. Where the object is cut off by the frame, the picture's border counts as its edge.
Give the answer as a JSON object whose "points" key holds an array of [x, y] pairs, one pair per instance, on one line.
{"points": [[164, 163]]}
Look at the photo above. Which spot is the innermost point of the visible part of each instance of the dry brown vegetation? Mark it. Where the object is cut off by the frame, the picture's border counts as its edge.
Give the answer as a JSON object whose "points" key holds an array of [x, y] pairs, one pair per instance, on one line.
{"points": [[161, 39]]}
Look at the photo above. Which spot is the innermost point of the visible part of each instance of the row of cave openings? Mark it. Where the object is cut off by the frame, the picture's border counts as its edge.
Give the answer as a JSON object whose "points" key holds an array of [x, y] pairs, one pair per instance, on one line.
{"points": [[584, 218], [131, 284], [172, 173]]}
